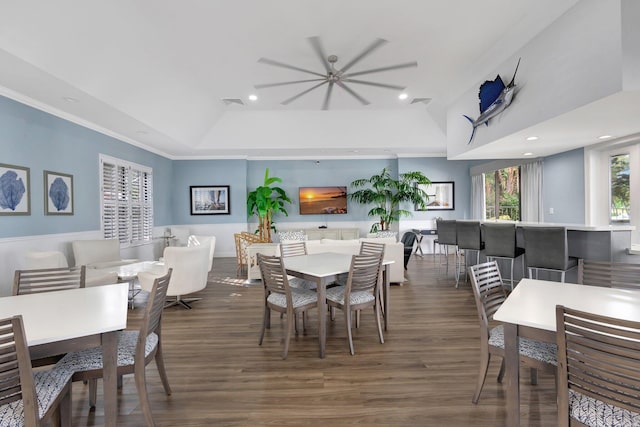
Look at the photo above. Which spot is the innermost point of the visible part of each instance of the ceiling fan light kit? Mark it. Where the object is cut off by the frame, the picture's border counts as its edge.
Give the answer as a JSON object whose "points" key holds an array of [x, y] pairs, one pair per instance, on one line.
{"points": [[333, 76]]}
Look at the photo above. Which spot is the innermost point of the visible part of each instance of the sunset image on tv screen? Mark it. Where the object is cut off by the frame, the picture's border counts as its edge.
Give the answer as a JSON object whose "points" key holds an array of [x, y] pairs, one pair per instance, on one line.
{"points": [[323, 200]]}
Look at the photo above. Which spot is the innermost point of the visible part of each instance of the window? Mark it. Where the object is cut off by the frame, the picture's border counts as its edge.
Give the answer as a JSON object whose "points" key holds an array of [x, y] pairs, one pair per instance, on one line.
{"points": [[619, 193], [126, 201], [502, 193]]}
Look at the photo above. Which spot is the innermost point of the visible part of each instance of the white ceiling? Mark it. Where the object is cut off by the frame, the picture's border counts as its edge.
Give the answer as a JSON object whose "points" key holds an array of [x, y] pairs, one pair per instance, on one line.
{"points": [[154, 72]]}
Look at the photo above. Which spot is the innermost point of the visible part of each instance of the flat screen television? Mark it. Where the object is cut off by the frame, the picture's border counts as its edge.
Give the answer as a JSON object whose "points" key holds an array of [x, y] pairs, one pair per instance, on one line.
{"points": [[322, 200]]}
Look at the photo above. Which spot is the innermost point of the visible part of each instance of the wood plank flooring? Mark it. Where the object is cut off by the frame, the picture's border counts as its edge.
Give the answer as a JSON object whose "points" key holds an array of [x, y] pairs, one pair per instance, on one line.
{"points": [[423, 375]]}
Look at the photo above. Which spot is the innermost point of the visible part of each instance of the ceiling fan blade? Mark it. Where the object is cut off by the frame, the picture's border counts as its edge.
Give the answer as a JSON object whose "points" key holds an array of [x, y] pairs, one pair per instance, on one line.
{"points": [[381, 69], [373, 46], [290, 67], [384, 85], [327, 96], [316, 44], [352, 93], [265, 85], [293, 98]]}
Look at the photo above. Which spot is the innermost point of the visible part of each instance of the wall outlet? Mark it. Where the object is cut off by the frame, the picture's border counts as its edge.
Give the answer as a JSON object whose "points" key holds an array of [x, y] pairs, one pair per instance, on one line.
{"points": [[551, 212]]}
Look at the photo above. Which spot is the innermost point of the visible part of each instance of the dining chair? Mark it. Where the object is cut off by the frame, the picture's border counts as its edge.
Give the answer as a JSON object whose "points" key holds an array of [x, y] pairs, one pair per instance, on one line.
{"points": [[608, 274], [500, 243], [297, 248], [29, 398], [243, 240], [547, 249], [281, 297], [598, 369], [136, 349], [489, 294], [361, 291], [48, 280]]}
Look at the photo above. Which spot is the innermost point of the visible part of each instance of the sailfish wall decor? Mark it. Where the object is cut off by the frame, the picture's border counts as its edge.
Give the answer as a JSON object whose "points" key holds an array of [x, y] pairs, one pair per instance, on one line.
{"points": [[495, 97]]}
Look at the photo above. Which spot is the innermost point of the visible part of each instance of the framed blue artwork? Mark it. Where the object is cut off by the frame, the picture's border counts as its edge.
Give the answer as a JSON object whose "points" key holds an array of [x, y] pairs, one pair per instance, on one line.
{"points": [[58, 193], [15, 195]]}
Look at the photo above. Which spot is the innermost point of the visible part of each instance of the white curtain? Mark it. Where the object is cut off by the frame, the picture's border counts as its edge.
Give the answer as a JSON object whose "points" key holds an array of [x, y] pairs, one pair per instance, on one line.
{"points": [[477, 197], [531, 188]]}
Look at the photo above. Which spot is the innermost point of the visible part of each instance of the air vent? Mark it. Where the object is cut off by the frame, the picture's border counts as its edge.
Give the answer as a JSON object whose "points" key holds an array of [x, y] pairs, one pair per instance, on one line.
{"points": [[425, 101], [229, 101]]}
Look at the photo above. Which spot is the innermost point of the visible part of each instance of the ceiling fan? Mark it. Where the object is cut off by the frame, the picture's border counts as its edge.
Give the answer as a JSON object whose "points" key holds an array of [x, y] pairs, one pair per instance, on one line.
{"points": [[333, 76]]}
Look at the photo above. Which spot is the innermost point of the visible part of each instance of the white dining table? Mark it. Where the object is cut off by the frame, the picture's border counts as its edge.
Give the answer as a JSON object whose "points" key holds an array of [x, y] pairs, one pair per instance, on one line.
{"points": [[529, 311], [324, 268], [62, 321]]}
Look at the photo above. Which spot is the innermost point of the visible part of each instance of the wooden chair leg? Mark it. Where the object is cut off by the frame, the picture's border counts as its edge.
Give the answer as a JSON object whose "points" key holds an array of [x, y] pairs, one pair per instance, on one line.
{"points": [[143, 396], [265, 323], [533, 372], [161, 370], [376, 309], [93, 392], [485, 358], [64, 408], [501, 373], [347, 318], [291, 320]]}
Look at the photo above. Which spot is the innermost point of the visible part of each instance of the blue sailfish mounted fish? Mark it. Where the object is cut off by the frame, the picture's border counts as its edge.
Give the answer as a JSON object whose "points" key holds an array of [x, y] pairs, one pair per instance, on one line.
{"points": [[495, 97]]}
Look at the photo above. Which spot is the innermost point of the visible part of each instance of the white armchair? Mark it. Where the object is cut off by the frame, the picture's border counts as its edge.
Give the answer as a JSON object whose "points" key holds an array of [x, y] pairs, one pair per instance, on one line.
{"points": [[204, 240], [56, 259], [190, 272]]}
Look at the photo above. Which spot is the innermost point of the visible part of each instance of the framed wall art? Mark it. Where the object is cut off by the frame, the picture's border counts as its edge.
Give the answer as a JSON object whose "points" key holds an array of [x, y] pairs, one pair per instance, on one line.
{"points": [[441, 196], [210, 200], [58, 193], [15, 194]]}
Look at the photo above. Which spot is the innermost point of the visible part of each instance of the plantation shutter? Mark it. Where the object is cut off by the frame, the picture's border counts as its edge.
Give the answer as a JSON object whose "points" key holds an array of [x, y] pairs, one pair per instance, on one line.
{"points": [[127, 201]]}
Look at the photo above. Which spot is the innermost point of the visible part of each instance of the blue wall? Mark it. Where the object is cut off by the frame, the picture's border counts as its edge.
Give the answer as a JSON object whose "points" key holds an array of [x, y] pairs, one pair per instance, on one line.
{"points": [[37, 140], [563, 187]]}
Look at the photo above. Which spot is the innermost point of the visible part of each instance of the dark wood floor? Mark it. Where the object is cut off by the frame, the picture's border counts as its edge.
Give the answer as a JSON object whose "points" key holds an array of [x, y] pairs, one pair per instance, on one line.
{"points": [[424, 374]]}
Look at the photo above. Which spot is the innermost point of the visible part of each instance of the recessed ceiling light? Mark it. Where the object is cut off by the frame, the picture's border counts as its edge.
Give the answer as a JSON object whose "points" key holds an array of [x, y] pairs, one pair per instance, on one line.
{"points": [[70, 99], [604, 136], [403, 96], [528, 154], [532, 138], [253, 97]]}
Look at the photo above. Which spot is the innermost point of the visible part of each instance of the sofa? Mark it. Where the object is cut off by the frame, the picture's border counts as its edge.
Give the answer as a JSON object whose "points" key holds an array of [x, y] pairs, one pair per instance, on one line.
{"points": [[98, 253], [324, 233], [394, 251]]}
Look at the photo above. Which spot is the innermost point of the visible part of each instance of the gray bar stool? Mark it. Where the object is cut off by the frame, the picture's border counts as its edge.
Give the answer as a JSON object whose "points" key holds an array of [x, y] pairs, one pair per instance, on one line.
{"points": [[500, 243], [547, 249], [446, 230], [469, 239]]}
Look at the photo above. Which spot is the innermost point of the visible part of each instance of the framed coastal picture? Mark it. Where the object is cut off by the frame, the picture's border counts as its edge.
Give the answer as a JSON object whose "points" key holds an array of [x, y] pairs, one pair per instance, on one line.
{"points": [[58, 193], [15, 194], [210, 200], [441, 196]]}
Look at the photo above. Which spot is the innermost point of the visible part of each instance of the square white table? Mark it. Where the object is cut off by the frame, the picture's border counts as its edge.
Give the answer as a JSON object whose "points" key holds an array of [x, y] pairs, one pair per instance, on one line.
{"points": [[62, 321], [529, 311], [324, 268]]}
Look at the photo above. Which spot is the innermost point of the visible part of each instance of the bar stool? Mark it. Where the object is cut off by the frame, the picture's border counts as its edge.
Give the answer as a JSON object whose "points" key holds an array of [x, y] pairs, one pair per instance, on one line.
{"points": [[446, 230], [469, 238], [500, 243], [547, 249]]}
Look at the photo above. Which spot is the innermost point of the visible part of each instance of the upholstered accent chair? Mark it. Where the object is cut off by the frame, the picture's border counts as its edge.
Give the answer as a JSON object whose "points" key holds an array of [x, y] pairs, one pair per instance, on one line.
{"points": [[190, 274], [489, 294], [136, 349], [598, 368], [362, 290], [281, 297], [195, 240], [29, 398]]}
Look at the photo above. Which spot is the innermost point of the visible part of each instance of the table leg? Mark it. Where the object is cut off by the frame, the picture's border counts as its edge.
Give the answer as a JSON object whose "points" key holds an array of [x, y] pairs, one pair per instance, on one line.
{"points": [[512, 373], [419, 246], [322, 314], [110, 376], [386, 277]]}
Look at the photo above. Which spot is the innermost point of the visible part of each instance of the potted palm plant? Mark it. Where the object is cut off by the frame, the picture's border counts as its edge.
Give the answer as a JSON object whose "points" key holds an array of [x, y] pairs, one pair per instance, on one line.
{"points": [[387, 193], [264, 201]]}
